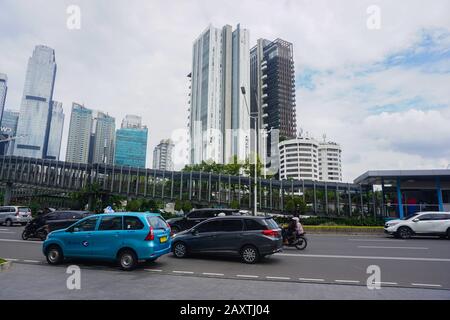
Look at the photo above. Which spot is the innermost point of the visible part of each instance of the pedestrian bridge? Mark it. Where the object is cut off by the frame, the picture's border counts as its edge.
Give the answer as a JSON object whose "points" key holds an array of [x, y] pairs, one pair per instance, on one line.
{"points": [[201, 188]]}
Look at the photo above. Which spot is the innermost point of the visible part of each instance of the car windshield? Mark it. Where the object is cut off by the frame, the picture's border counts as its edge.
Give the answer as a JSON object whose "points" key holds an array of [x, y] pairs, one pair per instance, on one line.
{"points": [[410, 216]]}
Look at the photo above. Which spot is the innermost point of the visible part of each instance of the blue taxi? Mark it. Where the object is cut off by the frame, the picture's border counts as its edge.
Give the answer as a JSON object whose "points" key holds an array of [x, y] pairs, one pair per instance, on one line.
{"points": [[125, 237]]}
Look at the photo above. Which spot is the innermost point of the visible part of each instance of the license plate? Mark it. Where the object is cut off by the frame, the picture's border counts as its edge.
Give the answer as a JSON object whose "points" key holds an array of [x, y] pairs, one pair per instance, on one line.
{"points": [[163, 239]]}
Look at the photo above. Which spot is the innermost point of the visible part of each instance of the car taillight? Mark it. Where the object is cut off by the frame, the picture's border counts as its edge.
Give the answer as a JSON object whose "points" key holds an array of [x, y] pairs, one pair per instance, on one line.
{"points": [[17, 213], [151, 235], [168, 226], [271, 233]]}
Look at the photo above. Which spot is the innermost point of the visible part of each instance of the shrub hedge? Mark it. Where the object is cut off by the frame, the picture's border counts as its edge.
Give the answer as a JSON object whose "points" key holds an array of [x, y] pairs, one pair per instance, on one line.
{"points": [[337, 221]]}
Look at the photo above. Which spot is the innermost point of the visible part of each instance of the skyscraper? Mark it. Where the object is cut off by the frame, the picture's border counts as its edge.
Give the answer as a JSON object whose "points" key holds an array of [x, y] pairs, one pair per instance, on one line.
{"points": [[79, 134], [56, 131], [131, 143], [33, 128], [330, 165], [9, 128], [103, 148], [273, 92], [162, 155], [3, 91], [219, 122]]}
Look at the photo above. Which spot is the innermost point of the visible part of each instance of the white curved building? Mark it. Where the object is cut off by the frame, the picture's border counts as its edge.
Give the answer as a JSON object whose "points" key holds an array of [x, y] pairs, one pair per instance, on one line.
{"points": [[299, 159]]}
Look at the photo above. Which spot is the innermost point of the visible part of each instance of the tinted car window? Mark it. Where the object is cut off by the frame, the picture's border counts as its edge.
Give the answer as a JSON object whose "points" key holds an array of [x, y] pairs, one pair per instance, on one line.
{"points": [[426, 217], [231, 225], [66, 215], [86, 225], [271, 223], [200, 214], [111, 223], [52, 216], [252, 224], [210, 226], [133, 223], [157, 222]]}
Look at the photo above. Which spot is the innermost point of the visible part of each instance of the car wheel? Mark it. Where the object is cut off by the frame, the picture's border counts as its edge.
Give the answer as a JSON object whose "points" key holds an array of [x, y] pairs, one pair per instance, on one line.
{"points": [[404, 232], [249, 254], [8, 223], [24, 235], [180, 250], [54, 255], [127, 260]]}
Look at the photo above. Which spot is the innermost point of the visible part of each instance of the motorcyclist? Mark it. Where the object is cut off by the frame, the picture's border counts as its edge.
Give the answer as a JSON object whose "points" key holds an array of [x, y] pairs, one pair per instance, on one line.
{"points": [[294, 229]]}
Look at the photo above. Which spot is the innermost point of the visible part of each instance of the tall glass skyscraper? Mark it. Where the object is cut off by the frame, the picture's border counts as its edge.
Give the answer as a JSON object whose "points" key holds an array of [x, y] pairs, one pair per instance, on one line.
{"points": [[3, 91], [79, 138], [56, 131], [9, 127], [131, 143], [218, 120], [104, 139], [33, 128]]}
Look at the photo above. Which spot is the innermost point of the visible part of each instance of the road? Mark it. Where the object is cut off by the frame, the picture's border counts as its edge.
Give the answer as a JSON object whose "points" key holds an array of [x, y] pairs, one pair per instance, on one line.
{"points": [[329, 267]]}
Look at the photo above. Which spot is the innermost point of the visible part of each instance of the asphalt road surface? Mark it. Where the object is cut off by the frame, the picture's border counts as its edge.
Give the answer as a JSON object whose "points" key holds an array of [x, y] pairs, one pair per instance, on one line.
{"points": [[331, 267]]}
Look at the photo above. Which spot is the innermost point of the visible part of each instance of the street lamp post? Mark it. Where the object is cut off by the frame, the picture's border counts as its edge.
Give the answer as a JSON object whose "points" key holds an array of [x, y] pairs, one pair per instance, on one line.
{"points": [[255, 119]]}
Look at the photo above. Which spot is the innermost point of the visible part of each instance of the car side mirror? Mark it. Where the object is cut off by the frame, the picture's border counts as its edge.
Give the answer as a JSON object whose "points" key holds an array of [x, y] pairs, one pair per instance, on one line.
{"points": [[416, 220]]}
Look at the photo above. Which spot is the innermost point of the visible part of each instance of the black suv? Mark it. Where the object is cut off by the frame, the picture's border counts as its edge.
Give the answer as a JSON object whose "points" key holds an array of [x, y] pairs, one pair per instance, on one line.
{"points": [[196, 216], [248, 236]]}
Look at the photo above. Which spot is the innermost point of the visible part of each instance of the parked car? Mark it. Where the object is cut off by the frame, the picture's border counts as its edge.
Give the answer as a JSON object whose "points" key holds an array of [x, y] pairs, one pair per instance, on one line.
{"points": [[422, 223], [125, 237], [196, 216], [10, 215], [40, 226], [249, 237]]}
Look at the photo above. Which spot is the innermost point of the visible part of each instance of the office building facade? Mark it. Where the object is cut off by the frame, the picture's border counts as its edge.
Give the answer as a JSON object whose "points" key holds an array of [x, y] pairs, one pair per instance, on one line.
{"points": [[9, 129], [131, 143], [104, 139], [273, 94], [3, 92], [330, 164], [33, 128], [56, 131], [79, 138], [163, 155], [219, 122]]}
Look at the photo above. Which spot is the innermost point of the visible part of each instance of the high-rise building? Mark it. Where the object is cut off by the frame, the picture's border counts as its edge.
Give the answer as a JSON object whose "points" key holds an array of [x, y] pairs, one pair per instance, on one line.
{"points": [[9, 129], [162, 155], [3, 91], [131, 143], [56, 131], [80, 131], [33, 128], [273, 93], [219, 122], [330, 165], [299, 159], [104, 139]]}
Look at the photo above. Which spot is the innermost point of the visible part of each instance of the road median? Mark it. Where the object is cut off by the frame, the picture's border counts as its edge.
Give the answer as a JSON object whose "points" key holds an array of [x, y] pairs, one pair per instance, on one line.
{"points": [[376, 230]]}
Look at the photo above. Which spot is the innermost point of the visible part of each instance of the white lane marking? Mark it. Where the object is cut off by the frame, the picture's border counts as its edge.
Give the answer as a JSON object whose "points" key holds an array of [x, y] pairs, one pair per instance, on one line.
{"points": [[7, 232], [33, 261], [212, 274], [378, 247], [347, 281], [386, 283], [10, 259], [426, 285], [186, 272], [310, 279], [362, 257], [373, 240], [246, 276], [13, 240], [1, 229], [278, 278], [153, 270]]}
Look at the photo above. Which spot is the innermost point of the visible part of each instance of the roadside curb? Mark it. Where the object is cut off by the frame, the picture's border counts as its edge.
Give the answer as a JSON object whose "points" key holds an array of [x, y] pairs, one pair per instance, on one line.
{"points": [[5, 266], [349, 230]]}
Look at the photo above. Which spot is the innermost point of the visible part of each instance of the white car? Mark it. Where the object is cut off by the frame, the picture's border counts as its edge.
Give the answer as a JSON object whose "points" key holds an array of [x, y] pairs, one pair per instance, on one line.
{"points": [[14, 214], [421, 223]]}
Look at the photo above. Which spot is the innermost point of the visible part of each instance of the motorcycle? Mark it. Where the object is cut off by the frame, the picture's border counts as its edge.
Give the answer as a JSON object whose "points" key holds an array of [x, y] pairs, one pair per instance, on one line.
{"points": [[33, 231], [298, 241]]}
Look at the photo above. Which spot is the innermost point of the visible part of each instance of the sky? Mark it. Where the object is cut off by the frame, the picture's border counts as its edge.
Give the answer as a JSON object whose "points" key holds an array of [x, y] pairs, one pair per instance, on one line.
{"points": [[377, 82]]}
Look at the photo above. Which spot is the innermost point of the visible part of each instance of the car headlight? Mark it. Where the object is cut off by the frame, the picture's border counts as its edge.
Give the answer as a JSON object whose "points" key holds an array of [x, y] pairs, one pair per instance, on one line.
{"points": [[392, 224]]}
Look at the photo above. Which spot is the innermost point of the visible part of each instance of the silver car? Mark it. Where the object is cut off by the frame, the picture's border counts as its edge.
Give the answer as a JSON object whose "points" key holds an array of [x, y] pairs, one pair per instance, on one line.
{"points": [[14, 214]]}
